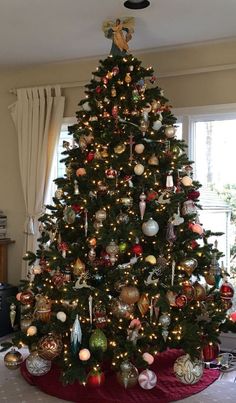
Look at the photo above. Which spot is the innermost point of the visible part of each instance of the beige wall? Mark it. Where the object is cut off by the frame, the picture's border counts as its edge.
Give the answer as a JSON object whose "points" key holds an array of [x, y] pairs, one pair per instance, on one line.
{"points": [[191, 76]]}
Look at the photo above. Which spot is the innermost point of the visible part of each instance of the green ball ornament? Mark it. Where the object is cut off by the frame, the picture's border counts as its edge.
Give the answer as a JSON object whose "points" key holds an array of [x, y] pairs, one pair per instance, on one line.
{"points": [[98, 341], [123, 247]]}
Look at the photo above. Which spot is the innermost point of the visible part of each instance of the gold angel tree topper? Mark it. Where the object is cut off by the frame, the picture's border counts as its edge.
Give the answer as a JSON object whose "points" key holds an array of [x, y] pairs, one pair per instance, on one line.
{"points": [[120, 31]]}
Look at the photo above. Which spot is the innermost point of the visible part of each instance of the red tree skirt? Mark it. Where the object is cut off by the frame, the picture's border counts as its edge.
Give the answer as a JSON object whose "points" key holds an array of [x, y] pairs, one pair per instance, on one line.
{"points": [[168, 388]]}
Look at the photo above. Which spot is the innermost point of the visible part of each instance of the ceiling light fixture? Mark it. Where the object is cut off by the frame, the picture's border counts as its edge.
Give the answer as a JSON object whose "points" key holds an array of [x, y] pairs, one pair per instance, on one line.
{"points": [[136, 4]]}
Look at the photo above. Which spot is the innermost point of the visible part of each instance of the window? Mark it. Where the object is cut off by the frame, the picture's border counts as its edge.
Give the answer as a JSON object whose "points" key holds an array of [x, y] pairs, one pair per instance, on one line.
{"points": [[211, 136]]}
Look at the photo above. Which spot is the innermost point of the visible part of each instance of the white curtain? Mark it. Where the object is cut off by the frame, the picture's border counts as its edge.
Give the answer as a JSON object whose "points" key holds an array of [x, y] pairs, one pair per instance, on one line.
{"points": [[37, 115]]}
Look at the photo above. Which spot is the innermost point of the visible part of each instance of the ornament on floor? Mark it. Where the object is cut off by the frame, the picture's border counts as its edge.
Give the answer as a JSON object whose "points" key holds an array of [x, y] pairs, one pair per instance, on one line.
{"points": [[36, 365], [188, 371], [98, 341], [165, 321], [150, 227], [50, 346], [95, 378], [128, 374], [210, 352], [84, 354], [147, 379], [13, 359]]}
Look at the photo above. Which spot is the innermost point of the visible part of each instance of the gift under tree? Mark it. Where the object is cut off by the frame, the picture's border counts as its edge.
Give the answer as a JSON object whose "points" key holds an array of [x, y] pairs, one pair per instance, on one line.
{"points": [[124, 268]]}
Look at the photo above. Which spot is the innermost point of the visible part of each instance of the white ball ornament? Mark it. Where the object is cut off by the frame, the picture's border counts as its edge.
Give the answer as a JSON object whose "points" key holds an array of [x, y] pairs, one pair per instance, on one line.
{"points": [[31, 331], [61, 316], [157, 125], [148, 358], [170, 131], [186, 181], [147, 379], [188, 371], [150, 227], [139, 169], [139, 148], [84, 354]]}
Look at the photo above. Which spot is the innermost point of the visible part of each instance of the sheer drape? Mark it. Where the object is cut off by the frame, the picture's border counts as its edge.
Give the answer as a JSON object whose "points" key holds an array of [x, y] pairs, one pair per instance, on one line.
{"points": [[37, 115]]}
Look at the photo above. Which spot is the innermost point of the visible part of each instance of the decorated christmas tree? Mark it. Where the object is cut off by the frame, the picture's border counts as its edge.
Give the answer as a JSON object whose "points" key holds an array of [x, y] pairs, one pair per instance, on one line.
{"points": [[124, 268]]}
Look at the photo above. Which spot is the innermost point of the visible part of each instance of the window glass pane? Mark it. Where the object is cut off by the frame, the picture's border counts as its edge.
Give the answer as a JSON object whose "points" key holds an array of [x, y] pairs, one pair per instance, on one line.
{"points": [[214, 145]]}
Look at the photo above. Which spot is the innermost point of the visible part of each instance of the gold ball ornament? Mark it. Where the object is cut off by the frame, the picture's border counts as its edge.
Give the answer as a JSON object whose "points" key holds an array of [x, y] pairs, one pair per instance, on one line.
{"points": [[139, 169], [129, 295], [153, 160], [120, 148], [186, 181], [150, 259], [170, 131], [50, 346], [121, 310], [13, 359], [80, 172], [128, 375], [36, 365], [31, 331], [139, 148], [199, 292], [25, 323], [189, 265]]}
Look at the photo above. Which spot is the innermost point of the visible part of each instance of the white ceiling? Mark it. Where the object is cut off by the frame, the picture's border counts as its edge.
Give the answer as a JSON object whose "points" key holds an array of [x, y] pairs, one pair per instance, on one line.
{"points": [[42, 31]]}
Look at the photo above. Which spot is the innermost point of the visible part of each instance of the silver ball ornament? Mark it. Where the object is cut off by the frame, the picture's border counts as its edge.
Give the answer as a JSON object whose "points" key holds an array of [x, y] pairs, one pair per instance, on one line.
{"points": [[150, 227]]}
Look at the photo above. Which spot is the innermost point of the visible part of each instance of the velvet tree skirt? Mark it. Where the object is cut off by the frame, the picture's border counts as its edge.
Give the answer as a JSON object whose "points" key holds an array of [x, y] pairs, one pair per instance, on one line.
{"points": [[168, 388]]}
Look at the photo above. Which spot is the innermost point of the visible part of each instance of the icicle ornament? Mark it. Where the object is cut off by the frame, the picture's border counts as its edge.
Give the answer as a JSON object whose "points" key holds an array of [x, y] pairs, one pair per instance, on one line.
{"points": [[142, 205]]}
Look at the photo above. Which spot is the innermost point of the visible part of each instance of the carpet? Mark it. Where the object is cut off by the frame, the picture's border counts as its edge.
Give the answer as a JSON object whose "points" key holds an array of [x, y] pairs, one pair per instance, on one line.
{"points": [[168, 388]]}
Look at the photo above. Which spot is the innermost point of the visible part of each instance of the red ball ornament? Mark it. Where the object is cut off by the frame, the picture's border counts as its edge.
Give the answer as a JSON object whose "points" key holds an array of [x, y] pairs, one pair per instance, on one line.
{"points": [[137, 249], [151, 196], [193, 244], [188, 290], [210, 352], [95, 378], [226, 291], [193, 195], [27, 297], [90, 156], [98, 89], [181, 301], [233, 316], [76, 208]]}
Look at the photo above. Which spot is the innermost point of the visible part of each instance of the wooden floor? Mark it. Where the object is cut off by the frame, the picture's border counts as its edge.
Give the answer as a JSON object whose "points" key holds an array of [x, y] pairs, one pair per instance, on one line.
{"points": [[14, 389]]}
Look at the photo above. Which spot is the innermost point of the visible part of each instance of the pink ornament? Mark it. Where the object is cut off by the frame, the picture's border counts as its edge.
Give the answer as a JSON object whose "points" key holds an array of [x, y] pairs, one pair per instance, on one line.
{"points": [[197, 228], [148, 358], [233, 316], [18, 296], [147, 379]]}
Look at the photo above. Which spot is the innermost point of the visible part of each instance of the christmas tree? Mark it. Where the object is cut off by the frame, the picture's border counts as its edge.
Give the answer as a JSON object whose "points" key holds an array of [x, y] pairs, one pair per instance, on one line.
{"points": [[124, 269]]}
